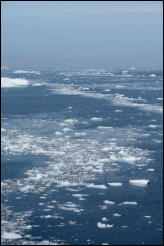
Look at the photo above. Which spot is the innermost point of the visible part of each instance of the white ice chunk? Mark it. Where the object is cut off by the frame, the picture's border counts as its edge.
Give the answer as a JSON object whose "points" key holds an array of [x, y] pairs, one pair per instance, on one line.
{"points": [[150, 169], [96, 119], [109, 202], [129, 203], [58, 133], [11, 235], [26, 188], [96, 186], [10, 82], [117, 215], [115, 184], [104, 219], [79, 134], [102, 226], [139, 182], [147, 216]]}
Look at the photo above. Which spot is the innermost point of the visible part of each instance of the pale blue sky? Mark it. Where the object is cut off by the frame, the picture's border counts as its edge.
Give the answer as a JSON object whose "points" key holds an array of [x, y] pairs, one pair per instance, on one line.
{"points": [[114, 34]]}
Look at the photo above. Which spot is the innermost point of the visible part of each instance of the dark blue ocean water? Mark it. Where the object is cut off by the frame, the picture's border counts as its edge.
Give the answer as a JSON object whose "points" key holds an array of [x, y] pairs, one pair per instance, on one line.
{"points": [[81, 157]]}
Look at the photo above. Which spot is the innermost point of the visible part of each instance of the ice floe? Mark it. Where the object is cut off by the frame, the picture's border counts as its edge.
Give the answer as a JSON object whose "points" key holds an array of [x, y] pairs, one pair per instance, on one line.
{"points": [[150, 170], [115, 184], [104, 219], [109, 202], [139, 182], [102, 225], [13, 82], [117, 215], [129, 203], [96, 119], [11, 235], [96, 186]]}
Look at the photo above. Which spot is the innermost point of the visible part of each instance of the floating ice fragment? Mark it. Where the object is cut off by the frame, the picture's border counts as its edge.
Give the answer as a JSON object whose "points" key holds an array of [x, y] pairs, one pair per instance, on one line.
{"points": [[24, 71], [11, 235], [129, 203], [139, 182], [10, 82], [115, 184], [96, 186], [58, 133], [72, 222], [147, 216], [109, 202], [102, 226], [96, 119], [150, 169], [124, 226], [79, 134], [104, 219], [117, 215], [26, 188], [153, 126]]}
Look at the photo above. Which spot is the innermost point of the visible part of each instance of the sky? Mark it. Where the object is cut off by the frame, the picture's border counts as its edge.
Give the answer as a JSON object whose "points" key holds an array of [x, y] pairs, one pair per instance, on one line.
{"points": [[82, 34]]}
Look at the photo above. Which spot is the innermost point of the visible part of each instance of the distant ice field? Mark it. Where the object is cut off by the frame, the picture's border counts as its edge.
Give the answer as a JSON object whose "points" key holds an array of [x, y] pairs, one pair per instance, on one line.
{"points": [[81, 157]]}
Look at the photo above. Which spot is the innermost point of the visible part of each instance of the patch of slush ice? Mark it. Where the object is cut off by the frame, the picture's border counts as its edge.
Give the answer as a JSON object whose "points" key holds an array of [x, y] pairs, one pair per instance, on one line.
{"points": [[103, 207], [13, 82], [70, 206], [26, 188], [80, 134], [24, 71], [139, 182], [70, 162], [124, 226], [115, 184]]}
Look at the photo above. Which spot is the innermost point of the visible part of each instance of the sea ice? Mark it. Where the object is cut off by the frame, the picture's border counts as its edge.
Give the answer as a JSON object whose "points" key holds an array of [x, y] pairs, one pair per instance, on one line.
{"points": [[10, 82], [109, 202], [96, 119], [115, 184], [139, 182], [150, 169], [11, 235], [102, 226], [129, 203], [104, 219], [117, 215], [96, 186]]}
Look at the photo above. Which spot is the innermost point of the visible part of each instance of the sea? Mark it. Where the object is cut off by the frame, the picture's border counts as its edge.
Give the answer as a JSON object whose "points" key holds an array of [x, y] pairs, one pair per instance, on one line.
{"points": [[81, 154]]}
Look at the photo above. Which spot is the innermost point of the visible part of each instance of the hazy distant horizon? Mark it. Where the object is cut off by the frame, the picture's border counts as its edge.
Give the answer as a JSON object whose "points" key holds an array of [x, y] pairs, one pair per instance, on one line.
{"points": [[117, 35]]}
